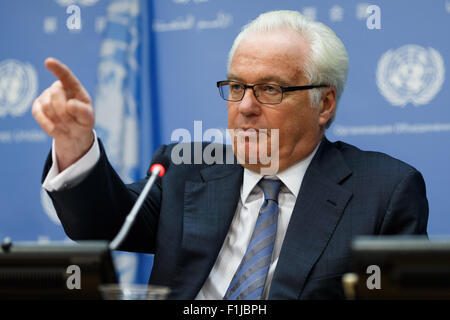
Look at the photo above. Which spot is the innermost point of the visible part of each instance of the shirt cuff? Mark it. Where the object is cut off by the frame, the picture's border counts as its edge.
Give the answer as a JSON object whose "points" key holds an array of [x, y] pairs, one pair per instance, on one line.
{"points": [[73, 175]]}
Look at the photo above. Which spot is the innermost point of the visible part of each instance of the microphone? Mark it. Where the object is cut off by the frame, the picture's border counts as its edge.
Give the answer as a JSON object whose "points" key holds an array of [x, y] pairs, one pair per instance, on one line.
{"points": [[158, 168]]}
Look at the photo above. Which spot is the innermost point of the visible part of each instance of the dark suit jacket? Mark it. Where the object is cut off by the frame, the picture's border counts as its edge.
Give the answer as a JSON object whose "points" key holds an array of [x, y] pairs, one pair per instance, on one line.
{"points": [[345, 192]]}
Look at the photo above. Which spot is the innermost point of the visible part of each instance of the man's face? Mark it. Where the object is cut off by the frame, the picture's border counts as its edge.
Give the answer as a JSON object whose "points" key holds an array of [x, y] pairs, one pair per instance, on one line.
{"points": [[276, 57]]}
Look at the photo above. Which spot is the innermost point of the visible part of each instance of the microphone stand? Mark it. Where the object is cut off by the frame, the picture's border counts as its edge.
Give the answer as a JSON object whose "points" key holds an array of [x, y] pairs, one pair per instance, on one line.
{"points": [[134, 211]]}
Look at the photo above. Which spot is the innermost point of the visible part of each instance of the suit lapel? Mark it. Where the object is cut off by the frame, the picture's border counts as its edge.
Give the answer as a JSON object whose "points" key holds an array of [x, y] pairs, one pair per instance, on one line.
{"points": [[318, 209], [209, 207]]}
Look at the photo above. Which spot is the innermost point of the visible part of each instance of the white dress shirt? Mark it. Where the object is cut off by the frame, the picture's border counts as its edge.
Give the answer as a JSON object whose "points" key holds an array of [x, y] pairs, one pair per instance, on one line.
{"points": [[242, 225]]}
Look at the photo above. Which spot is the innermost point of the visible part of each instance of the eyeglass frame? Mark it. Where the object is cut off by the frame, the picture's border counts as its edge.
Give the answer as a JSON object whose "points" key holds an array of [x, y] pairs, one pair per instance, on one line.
{"points": [[283, 89]]}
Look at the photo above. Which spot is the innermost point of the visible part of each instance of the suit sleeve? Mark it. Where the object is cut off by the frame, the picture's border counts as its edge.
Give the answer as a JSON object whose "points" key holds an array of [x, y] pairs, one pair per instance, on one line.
{"points": [[407, 211], [96, 208]]}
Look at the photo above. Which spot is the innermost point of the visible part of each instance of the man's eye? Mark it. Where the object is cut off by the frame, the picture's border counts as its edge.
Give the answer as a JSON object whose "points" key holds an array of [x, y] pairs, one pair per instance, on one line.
{"points": [[270, 89], [235, 87]]}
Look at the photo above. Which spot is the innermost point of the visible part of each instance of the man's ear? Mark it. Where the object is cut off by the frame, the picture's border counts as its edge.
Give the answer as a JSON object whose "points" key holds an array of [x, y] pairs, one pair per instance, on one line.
{"points": [[327, 106]]}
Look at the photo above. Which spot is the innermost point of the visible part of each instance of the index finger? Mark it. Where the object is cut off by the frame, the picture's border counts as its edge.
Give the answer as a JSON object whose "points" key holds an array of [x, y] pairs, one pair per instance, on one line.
{"points": [[63, 73]]}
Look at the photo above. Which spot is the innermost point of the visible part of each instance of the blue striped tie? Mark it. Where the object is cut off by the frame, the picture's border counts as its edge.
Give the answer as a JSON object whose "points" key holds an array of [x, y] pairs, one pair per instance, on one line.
{"points": [[250, 277]]}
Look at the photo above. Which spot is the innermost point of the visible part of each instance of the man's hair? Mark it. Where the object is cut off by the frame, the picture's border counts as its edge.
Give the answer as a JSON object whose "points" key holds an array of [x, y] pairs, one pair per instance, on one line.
{"points": [[327, 62]]}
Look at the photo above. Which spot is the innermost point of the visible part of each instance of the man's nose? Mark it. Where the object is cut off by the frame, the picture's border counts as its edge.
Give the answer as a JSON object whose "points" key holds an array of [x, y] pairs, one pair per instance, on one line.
{"points": [[249, 105]]}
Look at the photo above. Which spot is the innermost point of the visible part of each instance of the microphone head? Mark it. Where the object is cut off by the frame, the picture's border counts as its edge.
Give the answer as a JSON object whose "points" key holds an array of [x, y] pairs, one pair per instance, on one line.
{"points": [[160, 162]]}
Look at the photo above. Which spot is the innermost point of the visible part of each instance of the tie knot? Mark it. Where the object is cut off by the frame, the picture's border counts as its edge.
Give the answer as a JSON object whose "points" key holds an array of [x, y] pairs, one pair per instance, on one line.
{"points": [[270, 188]]}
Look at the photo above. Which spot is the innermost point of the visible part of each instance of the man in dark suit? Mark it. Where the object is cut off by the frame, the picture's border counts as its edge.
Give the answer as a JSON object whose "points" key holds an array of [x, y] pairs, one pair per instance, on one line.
{"points": [[247, 230]]}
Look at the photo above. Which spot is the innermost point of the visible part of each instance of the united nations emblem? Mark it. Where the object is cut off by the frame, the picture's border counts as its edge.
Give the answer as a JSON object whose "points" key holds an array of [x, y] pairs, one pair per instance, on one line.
{"points": [[18, 87], [410, 74]]}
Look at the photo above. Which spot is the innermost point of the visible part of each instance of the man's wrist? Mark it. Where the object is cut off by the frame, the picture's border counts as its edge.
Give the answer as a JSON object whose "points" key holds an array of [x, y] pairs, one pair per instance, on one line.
{"points": [[69, 153], [58, 179]]}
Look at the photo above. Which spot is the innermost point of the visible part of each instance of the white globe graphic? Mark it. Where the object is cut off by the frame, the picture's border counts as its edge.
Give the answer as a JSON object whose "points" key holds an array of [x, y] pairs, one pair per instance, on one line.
{"points": [[411, 69], [18, 87], [10, 88], [410, 74]]}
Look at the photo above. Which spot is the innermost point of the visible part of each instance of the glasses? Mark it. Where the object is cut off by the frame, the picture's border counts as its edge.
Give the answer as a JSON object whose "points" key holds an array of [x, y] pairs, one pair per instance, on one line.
{"points": [[265, 93]]}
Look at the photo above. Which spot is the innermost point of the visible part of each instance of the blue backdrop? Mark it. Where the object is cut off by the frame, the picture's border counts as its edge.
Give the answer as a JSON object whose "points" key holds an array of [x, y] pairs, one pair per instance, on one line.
{"points": [[151, 68]]}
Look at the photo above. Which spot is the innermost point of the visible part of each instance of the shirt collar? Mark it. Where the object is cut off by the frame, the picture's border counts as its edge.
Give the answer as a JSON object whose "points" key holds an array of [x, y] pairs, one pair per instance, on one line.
{"points": [[291, 177]]}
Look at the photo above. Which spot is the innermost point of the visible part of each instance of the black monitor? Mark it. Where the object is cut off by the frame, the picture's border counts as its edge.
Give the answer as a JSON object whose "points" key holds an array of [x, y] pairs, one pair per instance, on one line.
{"points": [[55, 270], [410, 267]]}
